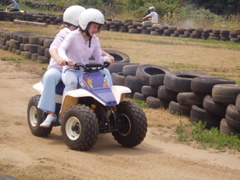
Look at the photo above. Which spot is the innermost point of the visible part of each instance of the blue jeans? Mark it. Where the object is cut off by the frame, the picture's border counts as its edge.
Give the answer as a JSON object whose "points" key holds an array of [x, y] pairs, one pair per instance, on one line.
{"points": [[70, 79], [50, 79]]}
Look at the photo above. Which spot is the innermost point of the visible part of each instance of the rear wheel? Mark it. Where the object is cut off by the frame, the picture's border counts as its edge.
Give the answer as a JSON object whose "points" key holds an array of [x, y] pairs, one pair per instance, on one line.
{"points": [[132, 124], [36, 117], [79, 127]]}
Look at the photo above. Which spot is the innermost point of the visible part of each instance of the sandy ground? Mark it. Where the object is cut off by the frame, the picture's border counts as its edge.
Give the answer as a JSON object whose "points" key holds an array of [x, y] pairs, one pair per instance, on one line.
{"points": [[25, 156]]}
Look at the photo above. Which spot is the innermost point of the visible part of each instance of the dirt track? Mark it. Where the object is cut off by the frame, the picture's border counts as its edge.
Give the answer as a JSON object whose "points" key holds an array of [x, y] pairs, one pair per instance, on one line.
{"points": [[25, 156]]}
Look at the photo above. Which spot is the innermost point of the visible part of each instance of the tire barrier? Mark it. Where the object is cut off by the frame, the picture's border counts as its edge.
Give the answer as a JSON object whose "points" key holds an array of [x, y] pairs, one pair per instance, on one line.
{"points": [[141, 27], [187, 93]]}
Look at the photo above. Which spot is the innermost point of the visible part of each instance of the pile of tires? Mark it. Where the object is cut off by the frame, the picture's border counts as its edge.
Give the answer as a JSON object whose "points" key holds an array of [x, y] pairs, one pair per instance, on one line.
{"points": [[230, 124], [27, 44], [215, 102], [30, 17], [141, 27], [200, 96]]}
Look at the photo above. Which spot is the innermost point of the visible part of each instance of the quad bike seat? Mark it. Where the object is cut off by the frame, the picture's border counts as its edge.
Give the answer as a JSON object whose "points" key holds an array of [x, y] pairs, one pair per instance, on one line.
{"points": [[59, 88]]}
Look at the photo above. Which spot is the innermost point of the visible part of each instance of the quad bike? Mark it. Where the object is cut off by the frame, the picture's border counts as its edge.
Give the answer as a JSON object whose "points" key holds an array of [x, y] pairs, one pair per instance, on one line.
{"points": [[8, 9], [90, 109]]}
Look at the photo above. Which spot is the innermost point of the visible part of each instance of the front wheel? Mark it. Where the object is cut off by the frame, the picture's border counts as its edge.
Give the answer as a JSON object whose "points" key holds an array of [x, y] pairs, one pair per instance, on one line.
{"points": [[35, 117], [132, 124], [79, 127]]}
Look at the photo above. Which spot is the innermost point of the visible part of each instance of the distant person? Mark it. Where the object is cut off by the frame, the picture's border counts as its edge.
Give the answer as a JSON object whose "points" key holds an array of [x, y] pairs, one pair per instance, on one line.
{"points": [[13, 6], [153, 16]]}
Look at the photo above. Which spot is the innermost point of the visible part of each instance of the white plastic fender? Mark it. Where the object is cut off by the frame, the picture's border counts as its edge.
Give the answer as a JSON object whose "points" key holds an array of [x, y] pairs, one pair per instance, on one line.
{"points": [[118, 91]]}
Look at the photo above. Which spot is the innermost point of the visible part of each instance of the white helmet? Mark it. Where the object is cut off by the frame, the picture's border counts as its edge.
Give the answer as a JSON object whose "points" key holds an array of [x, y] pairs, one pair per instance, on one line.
{"points": [[152, 8], [91, 15], [72, 13]]}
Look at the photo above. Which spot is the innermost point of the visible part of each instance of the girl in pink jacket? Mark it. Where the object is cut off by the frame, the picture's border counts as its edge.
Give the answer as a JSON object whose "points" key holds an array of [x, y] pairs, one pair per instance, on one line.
{"points": [[80, 45], [53, 75]]}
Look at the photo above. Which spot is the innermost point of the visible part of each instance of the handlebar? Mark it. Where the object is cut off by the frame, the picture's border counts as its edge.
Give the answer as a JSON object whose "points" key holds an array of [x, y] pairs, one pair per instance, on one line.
{"points": [[92, 67]]}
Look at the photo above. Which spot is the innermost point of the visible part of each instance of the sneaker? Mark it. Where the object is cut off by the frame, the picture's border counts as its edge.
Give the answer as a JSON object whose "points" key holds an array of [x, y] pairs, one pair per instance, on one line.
{"points": [[48, 121]]}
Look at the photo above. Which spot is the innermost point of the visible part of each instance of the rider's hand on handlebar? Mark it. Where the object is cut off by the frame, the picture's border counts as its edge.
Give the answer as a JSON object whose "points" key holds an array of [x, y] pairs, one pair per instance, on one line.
{"points": [[112, 58], [109, 60], [70, 62], [61, 62]]}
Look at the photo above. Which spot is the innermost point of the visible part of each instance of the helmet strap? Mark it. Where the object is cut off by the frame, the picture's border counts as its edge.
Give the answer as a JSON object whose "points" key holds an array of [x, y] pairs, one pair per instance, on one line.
{"points": [[88, 34]]}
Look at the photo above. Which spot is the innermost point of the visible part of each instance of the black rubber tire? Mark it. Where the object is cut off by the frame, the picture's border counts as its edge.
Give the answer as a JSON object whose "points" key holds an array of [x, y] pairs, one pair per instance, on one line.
{"points": [[43, 59], [33, 40], [153, 102], [144, 72], [226, 129], [34, 56], [118, 79], [27, 55], [118, 66], [156, 80], [149, 91], [35, 117], [204, 85], [130, 70], [238, 103], [26, 47], [225, 93], [84, 120], [47, 43], [167, 95], [176, 108], [133, 83], [233, 116], [41, 51], [165, 104], [214, 108], [180, 81], [33, 48], [133, 124], [46, 53], [190, 98], [199, 114], [118, 55], [139, 96]]}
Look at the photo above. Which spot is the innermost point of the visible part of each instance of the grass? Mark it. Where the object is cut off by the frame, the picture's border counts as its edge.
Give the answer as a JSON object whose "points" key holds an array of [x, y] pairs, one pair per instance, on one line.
{"points": [[212, 138], [142, 104]]}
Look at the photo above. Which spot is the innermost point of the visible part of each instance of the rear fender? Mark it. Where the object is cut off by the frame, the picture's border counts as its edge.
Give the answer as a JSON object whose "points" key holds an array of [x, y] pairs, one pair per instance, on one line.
{"points": [[39, 88]]}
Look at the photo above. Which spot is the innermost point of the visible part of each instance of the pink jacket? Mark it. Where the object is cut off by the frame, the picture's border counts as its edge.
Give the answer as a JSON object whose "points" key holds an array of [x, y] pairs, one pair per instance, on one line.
{"points": [[55, 45], [74, 47]]}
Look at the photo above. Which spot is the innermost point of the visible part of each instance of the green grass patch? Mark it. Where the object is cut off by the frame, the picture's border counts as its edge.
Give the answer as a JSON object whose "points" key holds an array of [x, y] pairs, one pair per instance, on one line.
{"points": [[16, 60], [205, 138], [142, 104]]}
